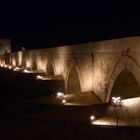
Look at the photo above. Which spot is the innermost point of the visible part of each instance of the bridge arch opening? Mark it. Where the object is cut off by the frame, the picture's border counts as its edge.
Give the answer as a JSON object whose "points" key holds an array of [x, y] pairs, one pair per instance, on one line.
{"points": [[73, 82], [50, 70], [125, 86], [124, 63], [34, 65]]}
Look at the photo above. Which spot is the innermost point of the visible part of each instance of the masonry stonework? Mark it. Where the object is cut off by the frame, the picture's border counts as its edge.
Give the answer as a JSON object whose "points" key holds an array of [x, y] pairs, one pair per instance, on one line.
{"points": [[86, 67]]}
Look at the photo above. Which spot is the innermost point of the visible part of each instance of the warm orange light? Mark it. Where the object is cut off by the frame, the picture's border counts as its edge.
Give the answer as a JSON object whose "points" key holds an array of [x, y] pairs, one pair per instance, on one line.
{"points": [[19, 58], [92, 117], [104, 121], [10, 67], [5, 66], [1, 65], [116, 100], [39, 77], [25, 70], [63, 101], [17, 69], [60, 94]]}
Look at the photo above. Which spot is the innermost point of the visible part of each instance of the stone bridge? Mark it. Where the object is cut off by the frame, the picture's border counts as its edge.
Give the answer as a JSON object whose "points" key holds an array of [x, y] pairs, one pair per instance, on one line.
{"points": [[106, 68]]}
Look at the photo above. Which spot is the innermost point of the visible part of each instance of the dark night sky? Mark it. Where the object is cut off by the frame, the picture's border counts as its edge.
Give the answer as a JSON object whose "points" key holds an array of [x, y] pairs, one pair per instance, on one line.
{"points": [[52, 23]]}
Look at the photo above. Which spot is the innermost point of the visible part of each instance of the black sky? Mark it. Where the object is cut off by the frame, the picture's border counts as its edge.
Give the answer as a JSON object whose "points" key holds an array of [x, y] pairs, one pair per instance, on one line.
{"points": [[39, 24]]}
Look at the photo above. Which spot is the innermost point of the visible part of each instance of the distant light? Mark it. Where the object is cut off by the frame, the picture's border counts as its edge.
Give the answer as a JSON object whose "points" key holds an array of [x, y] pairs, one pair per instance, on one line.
{"points": [[17, 68], [10, 67], [25, 70], [63, 101], [1, 65], [60, 94], [92, 117], [39, 77], [5, 66], [116, 100]]}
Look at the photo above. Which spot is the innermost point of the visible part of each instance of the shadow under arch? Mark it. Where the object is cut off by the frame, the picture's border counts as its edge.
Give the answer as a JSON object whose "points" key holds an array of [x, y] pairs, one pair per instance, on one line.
{"points": [[73, 82], [50, 70], [125, 86], [125, 62], [34, 65]]}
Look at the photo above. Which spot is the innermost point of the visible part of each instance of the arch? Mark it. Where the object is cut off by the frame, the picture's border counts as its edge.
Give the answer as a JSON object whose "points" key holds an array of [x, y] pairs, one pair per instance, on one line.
{"points": [[125, 86], [125, 62], [50, 70], [73, 82], [24, 62], [34, 65]]}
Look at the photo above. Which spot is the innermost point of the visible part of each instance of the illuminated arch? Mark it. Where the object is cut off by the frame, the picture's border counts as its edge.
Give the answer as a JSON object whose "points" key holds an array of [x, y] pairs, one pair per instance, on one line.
{"points": [[73, 80], [34, 65], [124, 62], [125, 86], [50, 69]]}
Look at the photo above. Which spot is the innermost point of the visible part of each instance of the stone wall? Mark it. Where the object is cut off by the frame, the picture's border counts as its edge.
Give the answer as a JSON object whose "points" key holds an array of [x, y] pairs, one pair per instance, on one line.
{"points": [[94, 65]]}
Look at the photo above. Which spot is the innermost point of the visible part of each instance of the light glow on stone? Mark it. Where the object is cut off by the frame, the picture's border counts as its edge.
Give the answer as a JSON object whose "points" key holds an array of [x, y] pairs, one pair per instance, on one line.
{"points": [[39, 77], [60, 94], [92, 117], [116, 100], [63, 101], [5, 66], [1, 65], [10, 67], [17, 69], [25, 70]]}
